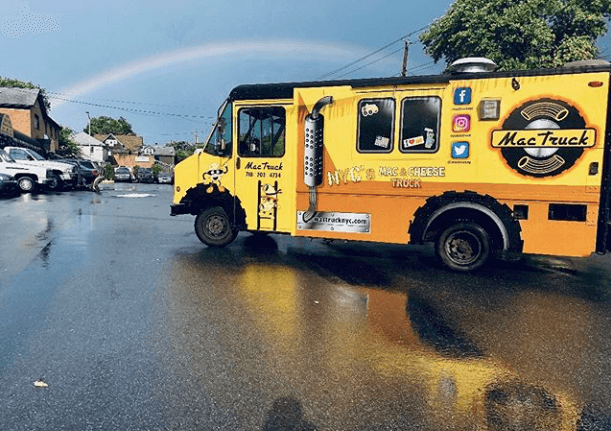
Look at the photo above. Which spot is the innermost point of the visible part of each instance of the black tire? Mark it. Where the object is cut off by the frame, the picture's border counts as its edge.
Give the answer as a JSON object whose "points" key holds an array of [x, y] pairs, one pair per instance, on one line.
{"points": [[26, 184], [463, 247], [214, 228], [55, 184]]}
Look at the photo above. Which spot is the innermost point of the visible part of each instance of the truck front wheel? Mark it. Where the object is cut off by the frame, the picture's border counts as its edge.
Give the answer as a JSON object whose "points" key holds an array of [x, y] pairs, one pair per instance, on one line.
{"points": [[213, 227], [55, 184], [463, 246]]}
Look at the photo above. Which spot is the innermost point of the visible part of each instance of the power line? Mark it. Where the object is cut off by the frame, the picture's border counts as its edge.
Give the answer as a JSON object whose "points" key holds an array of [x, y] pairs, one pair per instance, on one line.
{"points": [[55, 96], [127, 102], [372, 53], [370, 63], [133, 110]]}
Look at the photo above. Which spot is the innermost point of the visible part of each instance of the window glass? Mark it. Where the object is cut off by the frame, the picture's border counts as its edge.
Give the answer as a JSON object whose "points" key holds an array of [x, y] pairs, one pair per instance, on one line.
{"points": [[261, 131], [376, 125], [420, 124], [222, 132], [18, 154], [36, 156]]}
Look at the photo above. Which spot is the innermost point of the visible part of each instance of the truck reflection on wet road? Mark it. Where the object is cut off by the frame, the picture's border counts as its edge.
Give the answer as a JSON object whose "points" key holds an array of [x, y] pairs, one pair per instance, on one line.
{"points": [[134, 324]]}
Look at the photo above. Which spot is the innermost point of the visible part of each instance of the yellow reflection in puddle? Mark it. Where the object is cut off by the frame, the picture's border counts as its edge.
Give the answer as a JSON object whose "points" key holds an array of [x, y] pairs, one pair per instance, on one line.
{"points": [[271, 292]]}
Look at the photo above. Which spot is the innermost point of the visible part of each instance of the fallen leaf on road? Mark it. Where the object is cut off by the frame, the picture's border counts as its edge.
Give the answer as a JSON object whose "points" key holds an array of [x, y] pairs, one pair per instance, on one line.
{"points": [[40, 384]]}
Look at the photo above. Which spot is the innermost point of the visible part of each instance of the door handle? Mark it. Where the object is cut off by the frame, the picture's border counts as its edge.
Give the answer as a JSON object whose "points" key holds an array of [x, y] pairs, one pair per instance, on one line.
{"points": [[238, 163]]}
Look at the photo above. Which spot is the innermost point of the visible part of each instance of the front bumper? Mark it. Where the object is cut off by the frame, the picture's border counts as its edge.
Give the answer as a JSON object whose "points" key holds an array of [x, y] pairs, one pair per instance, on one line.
{"points": [[178, 209]]}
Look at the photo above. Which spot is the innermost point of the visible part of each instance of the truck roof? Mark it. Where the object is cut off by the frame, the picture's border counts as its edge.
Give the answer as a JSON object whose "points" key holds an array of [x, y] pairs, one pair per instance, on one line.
{"points": [[285, 90]]}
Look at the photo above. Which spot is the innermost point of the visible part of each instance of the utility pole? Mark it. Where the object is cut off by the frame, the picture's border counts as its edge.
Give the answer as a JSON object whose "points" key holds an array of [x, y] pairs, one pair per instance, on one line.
{"points": [[405, 54], [89, 122]]}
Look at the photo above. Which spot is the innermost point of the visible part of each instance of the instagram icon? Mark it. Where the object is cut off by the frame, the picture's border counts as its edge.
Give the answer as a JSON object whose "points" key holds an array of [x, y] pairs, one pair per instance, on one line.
{"points": [[461, 123]]}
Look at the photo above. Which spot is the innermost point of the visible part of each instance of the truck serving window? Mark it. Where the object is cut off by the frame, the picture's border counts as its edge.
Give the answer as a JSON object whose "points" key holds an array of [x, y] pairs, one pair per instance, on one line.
{"points": [[261, 131], [420, 124], [376, 119]]}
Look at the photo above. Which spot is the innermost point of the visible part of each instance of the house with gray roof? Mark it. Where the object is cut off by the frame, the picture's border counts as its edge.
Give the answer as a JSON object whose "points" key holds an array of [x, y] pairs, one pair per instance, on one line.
{"points": [[91, 148], [28, 112]]}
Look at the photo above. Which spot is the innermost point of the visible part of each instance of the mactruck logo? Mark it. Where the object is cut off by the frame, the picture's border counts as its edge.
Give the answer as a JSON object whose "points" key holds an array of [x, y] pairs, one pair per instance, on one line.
{"points": [[543, 138]]}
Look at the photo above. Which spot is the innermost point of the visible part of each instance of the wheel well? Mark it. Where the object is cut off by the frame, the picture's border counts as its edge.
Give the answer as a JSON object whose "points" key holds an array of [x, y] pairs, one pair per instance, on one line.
{"points": [[30, 176], [440, 211], [204, 196], [451, 216]]}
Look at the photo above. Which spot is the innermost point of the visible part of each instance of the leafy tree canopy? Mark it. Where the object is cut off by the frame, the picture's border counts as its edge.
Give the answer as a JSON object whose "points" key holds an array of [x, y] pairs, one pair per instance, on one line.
{"points": [[105, 125], [15, 83], [519, 34], [182, 149], [67, 147]]}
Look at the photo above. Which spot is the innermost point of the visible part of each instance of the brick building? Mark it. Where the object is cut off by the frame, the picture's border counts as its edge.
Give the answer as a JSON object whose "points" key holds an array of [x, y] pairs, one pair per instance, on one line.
{"points": [[28, 113]]}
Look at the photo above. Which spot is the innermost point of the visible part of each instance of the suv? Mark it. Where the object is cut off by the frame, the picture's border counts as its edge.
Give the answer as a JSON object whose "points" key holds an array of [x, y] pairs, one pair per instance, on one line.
{"points": [[123, 174], [28, 177], [145, 175], [63, 174]]}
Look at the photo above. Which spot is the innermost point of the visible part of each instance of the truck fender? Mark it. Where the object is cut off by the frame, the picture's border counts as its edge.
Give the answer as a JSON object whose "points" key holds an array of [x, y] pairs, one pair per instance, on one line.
{"points": [[456, 205], [199, 198]]}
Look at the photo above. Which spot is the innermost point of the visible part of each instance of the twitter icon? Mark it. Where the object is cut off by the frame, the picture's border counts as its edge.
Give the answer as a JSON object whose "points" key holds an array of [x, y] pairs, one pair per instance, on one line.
{"points": [[460, 150]]}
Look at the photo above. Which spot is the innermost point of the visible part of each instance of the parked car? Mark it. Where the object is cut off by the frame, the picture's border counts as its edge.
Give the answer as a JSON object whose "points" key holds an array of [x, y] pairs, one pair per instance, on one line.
{"points": [[28, 177], [63, 174], [164, 178], [86, 170], [123, 174], [8, 185], [145, 175], [90, 170]]}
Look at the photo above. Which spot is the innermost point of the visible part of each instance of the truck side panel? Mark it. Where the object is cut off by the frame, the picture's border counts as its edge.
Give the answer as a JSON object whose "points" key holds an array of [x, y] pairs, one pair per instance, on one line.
{"points": [[372, 194]]}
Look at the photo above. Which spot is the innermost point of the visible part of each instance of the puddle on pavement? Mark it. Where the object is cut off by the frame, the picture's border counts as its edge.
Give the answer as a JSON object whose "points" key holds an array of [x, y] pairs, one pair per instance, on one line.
{"points": [[338, 348]]}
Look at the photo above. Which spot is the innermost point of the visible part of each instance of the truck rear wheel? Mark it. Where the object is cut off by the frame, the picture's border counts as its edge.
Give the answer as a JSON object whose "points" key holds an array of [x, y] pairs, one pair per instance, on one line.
{"points": [[26, 184], [463, 246], [213, 227]]}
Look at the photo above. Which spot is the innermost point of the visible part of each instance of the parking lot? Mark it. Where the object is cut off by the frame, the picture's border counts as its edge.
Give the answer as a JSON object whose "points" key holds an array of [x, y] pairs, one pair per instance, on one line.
{"points": [[133, 324]]}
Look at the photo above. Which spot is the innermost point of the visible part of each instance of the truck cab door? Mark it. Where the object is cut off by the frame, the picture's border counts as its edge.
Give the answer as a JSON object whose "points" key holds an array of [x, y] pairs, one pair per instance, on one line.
{"points": [[260, 176]]}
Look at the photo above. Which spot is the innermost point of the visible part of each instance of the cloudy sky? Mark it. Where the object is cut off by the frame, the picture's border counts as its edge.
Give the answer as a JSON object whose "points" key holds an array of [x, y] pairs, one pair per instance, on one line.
{"points": [[166, 66]]}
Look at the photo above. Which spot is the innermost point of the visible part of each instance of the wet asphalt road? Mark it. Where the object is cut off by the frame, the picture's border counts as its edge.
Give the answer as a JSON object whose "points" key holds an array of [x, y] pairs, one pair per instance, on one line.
{"points": [[135, 325]]}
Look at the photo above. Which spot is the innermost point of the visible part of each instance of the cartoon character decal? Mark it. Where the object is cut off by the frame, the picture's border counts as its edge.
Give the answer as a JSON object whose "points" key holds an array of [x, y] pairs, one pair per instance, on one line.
{"points": [[213, 175], [543, 138], [268, 203]]}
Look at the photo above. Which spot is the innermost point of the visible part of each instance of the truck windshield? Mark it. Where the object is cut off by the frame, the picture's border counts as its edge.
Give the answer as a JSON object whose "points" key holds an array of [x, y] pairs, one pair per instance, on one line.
{"points": [[36, 155], [219, 141]]}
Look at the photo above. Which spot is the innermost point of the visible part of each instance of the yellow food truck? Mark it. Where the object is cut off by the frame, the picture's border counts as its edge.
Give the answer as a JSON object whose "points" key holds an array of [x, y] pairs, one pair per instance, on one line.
{"points": [[481, 163]]}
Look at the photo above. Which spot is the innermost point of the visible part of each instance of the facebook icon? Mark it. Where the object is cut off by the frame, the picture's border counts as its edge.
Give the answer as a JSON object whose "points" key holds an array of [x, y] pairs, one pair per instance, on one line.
{"points": [[462, 96]]}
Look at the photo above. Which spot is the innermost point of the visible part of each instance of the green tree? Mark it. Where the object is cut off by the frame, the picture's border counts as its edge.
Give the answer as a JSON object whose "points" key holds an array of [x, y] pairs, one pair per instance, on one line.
{"points": [[105, 125], [182, 149], [67, 147], [519, 34], [15, 83]]}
